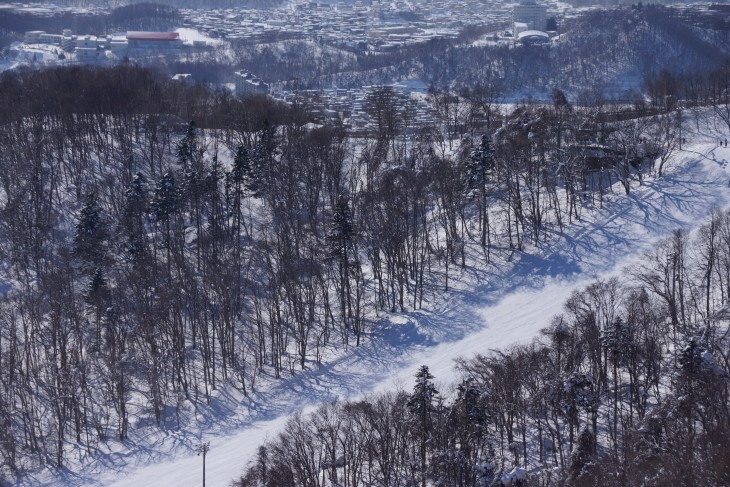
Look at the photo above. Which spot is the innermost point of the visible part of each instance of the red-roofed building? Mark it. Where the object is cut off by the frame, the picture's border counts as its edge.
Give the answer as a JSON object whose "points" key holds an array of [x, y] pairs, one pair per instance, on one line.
{"points": [[153, 40]]}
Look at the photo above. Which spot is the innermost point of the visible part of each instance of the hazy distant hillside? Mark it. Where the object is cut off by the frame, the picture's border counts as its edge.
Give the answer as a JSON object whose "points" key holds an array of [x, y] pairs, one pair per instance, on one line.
{"points": [[138, 16], [175, 3], [637, 42], [614, 50], [224, 3]]}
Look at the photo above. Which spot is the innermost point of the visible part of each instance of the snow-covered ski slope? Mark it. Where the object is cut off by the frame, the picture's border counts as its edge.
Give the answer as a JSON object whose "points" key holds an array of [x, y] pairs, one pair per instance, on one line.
{"points": [[506, 304]]}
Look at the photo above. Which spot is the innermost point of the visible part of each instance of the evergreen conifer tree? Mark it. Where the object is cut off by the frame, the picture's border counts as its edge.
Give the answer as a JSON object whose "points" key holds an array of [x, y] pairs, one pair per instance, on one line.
{"points": [[134, 214], [91, 234], [342, 231], [239, 177], [479, 168], [617, 340], [261, 164], [580, 460], [188, 147], [166, 199], [420, 405]]}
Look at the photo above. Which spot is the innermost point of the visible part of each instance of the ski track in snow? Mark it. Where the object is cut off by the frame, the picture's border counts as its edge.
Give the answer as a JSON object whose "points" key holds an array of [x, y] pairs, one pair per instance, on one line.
{"points": [[489, 311]]}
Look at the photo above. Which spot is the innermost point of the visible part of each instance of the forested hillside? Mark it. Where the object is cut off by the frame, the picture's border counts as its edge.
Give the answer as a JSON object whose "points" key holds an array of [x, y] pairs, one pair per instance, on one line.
{"points": [[610, 52], [628, 386], [161, 242]]}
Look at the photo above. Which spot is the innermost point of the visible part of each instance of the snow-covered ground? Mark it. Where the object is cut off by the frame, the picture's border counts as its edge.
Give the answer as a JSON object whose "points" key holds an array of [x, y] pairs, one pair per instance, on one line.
{"points": [[188, 36], [38, 54], [486, 309]]}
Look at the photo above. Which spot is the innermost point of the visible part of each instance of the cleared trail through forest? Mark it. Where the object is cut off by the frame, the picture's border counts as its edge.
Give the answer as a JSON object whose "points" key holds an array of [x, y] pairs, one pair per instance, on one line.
{"points": [[490, 309]]}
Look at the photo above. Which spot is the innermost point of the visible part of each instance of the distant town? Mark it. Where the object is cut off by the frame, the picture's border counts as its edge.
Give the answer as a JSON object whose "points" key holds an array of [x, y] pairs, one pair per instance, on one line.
{"points": [[356, 29], [365, 27], [374, 27]]}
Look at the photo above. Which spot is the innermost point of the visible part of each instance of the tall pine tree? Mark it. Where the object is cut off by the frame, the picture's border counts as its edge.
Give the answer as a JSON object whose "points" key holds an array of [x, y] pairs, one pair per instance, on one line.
{"points": [[479, 170], [90, 238], [421, 406]]}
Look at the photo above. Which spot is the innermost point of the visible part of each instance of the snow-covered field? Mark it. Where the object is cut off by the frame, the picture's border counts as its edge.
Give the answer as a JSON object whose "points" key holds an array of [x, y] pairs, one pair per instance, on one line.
{"points": [[189, 35], [486, 309], [21, 54]]}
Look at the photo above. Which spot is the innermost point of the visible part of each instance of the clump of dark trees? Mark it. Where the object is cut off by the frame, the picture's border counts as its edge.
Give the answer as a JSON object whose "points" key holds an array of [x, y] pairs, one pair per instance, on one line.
{"points": [[629, 386], [142, 273]]}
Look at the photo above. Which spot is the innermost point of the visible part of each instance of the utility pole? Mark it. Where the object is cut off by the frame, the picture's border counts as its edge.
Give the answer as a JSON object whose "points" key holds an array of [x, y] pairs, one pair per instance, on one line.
{"points": [[203, 449]]}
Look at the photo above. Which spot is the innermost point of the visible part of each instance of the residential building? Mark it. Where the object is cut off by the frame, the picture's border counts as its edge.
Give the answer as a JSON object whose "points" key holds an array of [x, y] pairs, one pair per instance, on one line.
{"points": [[248, 84], [530, 13], [54, 39], [153, 41], [118, 44], [68, 43], [33, 36], [87, 49]]}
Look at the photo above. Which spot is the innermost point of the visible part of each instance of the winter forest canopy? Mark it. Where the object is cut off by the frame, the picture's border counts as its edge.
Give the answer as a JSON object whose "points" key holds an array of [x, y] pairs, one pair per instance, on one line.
{"points": [[623, 388], [163, 241]]}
